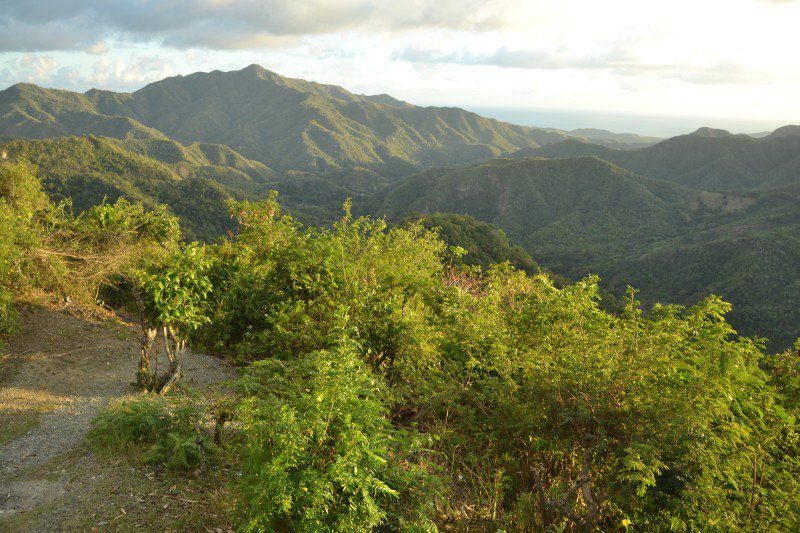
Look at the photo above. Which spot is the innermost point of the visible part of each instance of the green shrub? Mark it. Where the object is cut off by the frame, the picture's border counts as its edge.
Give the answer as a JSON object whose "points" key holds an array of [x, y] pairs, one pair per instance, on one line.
{"points": [[519, 383], [21, 200], [320, 454], [9, 253], [167, 429], [138, 421], [45, 246]]}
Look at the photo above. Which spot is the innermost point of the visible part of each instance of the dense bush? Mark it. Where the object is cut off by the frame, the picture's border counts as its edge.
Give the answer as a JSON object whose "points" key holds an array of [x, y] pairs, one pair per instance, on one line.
{"points": [[388, 388], [21, 201], [544, 410], [171, 431], [283, 291], [321, 454], [44, 245]]}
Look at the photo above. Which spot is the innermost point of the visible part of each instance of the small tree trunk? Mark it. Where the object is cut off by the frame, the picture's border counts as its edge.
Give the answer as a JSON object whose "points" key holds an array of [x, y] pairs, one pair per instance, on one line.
{"points": [[148, 375], [175, 347], [144, 375], [219, 425]]}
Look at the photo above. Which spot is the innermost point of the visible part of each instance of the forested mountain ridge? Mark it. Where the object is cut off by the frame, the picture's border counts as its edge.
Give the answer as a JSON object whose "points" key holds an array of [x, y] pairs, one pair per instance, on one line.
{"points": [[582, 201], [27, 110], [282, 122], [625, 141], [583, 215], [194, 180], [482, 243], [707, 158]]}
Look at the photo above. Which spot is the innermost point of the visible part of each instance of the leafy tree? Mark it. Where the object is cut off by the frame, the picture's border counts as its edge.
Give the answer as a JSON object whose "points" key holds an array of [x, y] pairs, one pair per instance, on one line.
{"points": [[171, 293]]}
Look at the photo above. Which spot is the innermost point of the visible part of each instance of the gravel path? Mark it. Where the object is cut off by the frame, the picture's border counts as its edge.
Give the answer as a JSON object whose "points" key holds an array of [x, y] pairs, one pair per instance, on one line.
{"points": [[59, 372]]}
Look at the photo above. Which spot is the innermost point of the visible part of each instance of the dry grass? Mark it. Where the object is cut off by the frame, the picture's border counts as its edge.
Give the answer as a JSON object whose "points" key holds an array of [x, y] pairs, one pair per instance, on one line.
{"points": [[17, 423], [129, 496], [104, 493]]}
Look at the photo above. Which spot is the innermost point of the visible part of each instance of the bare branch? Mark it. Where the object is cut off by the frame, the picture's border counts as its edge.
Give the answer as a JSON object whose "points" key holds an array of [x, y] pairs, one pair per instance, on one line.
{"points": [[586, 522]]}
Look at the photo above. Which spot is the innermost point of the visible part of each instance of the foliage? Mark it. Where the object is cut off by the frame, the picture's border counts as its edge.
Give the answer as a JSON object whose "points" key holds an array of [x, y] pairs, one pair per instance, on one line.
{"points": [[21, 200], [530, 393], [283, 290], [320, 454], [671, 409], [168, 429], [46, 246], [174, 288]]}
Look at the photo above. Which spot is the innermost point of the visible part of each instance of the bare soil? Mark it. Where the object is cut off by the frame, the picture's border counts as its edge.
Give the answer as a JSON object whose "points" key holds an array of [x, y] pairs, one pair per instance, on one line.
{"points": [[55, 376]]}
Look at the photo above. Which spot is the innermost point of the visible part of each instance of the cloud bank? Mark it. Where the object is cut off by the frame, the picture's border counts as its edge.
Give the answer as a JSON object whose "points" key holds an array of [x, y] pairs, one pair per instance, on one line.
{"points": [[48, 25], [617, 58]]}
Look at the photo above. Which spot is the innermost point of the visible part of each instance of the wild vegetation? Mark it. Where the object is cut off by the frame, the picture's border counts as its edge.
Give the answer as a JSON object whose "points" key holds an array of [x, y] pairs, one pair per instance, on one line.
{"points": [[46, 247], [386, 386], [719, 212], [582, 215]]}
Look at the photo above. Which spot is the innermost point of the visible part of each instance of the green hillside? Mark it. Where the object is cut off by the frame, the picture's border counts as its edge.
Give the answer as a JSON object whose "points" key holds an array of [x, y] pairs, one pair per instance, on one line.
{"points": [[582, 215], [88, 169], [590, 206], [484, 244], [707, 158], [283, 122], [195, 181]]}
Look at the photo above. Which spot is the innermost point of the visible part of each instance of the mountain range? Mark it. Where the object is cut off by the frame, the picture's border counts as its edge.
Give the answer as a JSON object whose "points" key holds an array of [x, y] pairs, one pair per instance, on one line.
{"points": [[677, 218], [282, 122], [708, 158]]}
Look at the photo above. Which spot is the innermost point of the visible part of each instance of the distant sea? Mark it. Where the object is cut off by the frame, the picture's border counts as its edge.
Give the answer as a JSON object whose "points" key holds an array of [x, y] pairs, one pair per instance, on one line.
{"points": [[649, 125]]}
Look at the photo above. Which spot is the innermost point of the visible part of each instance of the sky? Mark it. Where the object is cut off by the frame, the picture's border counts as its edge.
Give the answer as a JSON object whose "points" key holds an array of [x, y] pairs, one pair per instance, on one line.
{"points": [[650, 66]]}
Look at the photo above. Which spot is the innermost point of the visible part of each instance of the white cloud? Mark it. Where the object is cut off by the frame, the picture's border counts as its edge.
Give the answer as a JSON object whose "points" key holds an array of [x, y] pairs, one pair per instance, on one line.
{"points": [[128, 74], [104, 72], [231, 24], [617, 59], [37, 67], [98, 48]]}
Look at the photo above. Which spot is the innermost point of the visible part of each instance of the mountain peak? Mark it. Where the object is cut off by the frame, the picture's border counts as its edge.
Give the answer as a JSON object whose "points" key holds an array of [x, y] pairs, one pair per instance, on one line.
{"points": [[254, 67], [712, 132], [785, 131], [24, 87], [258, 71]]}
